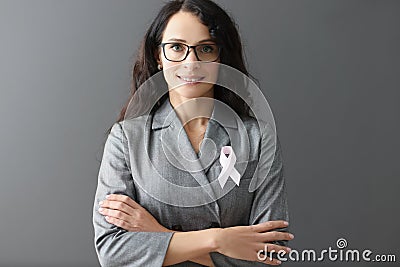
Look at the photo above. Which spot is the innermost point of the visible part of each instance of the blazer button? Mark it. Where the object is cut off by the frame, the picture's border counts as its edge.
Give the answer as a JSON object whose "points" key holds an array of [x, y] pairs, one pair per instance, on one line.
{"points": [[214, 225], [177, 227]]}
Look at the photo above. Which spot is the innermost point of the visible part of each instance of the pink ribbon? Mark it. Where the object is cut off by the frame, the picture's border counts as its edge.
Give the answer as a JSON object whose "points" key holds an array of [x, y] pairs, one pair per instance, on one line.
{"points": [[228, 166]]}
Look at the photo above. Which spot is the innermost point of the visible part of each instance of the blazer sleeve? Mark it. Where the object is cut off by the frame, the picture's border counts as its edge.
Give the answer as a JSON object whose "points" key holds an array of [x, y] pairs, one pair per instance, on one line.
{"points": [[116, 246], [270, 201]]}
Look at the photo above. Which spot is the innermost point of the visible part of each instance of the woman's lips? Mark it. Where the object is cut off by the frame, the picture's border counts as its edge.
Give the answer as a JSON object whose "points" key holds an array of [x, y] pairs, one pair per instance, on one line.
{"points": [[191, 79]]}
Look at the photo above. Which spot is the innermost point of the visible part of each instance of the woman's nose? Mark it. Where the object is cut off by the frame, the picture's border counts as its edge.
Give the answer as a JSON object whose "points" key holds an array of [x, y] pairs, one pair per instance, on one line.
{"points": [[192, 55], [191, 60]]}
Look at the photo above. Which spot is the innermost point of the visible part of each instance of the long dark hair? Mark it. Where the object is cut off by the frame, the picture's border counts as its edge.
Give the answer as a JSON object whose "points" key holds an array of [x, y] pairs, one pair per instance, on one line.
{"points": [[221, 27]]}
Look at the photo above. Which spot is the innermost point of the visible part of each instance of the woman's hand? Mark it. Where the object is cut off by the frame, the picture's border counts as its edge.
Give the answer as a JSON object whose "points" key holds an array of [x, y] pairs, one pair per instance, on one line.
{"points": [[245, 242], [124, 212]]}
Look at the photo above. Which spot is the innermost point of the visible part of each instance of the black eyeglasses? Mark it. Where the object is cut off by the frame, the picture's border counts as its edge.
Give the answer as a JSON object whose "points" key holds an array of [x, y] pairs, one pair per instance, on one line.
{"points": [[178, 52]]}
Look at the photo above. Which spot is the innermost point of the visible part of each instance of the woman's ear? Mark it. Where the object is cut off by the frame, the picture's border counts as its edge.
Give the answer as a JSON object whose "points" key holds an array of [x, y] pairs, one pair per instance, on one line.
{"points": [[157, 55], [159, 62]]}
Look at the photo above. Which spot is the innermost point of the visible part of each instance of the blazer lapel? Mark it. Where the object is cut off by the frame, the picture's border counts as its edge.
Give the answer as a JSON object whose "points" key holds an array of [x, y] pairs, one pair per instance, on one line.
{"points": [[215, 138], [176, 144], [222, 130]]}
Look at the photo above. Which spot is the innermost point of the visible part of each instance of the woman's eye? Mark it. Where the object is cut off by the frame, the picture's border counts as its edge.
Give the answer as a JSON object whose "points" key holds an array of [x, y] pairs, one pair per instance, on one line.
{"points": [[176, 47], [207, 49]]}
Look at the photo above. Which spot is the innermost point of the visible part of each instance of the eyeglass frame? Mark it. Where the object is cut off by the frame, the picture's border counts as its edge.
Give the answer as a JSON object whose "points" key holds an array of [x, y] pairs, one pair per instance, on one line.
{"points": [[162, 45]]}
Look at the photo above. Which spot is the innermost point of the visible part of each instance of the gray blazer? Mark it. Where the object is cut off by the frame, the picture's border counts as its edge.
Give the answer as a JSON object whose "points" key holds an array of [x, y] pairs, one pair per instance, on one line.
{"points": [[144, 160]]}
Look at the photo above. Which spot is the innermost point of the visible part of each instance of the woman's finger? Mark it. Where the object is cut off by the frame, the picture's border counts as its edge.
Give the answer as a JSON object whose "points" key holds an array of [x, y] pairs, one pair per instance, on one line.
{"points": [[123, 198], [275, 236], [114, 213], [268, 226], [117, 205], [276, 248], [118, 222]]}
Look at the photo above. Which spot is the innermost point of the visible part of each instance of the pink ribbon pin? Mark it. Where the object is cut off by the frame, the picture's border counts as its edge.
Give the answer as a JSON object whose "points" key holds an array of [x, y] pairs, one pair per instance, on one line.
{"points": [[228, 166]]}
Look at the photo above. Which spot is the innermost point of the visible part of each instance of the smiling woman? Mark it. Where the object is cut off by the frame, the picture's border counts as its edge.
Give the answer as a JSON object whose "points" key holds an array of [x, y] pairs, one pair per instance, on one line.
{"points": [[187, 44]]}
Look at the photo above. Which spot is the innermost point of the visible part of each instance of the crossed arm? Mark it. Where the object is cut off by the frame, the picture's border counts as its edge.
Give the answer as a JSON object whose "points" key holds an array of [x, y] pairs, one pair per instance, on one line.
{"points": [[124, 212], [240, 242]]}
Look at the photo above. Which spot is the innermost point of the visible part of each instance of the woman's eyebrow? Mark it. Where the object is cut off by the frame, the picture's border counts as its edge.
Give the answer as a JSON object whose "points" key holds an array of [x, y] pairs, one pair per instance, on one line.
{"points": [[184, 41]]}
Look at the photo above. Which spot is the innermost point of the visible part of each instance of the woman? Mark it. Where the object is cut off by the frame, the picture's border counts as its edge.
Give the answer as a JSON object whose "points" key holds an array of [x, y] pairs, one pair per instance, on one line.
{"points": [[184, 218]]}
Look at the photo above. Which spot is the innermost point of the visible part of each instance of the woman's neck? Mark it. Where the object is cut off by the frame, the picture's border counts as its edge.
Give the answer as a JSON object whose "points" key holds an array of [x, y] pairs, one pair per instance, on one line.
{"points": [[194, 113]]}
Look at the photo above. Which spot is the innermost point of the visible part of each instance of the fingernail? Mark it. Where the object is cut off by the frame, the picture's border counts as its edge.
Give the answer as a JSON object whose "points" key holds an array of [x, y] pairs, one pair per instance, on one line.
{"points": [[108, 196], [291, 236], [278, 261], [101, 210], [288, 249], [107, 218], [286, 223], [101, 203]]}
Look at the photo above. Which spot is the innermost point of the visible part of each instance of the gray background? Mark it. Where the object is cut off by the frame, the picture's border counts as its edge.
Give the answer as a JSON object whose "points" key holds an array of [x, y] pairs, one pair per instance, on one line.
{"points": [[330, 70]]}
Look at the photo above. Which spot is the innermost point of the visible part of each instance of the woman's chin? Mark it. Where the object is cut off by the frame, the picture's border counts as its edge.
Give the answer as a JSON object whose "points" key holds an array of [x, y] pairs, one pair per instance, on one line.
{"points": [[193, 90]]}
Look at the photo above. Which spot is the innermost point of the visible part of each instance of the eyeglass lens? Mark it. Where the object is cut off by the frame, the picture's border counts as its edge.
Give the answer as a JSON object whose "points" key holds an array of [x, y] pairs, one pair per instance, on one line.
{"points": [[179, 52]]}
